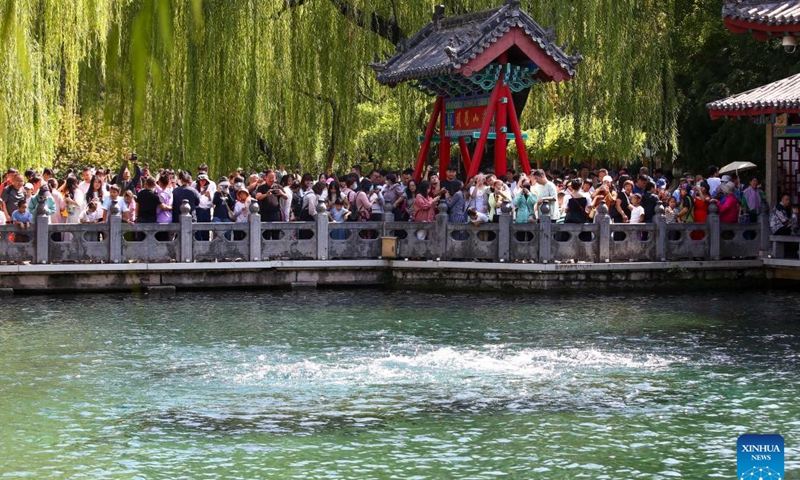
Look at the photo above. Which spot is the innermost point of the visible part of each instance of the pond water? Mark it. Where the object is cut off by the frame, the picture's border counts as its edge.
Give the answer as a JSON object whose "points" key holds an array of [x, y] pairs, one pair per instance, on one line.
{"points": [[373, 384]]}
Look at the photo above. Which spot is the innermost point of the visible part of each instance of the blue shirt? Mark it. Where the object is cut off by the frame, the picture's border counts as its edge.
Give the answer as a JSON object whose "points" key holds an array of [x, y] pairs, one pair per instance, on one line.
{"points": [[18, 216]]}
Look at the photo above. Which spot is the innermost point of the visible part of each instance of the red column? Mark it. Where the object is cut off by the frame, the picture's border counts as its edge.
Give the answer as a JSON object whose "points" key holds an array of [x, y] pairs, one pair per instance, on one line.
{"points": [[501, 119], [426, 143], [512, 117], [487, 122], [462, 144], [501, 142], [444, 145]]}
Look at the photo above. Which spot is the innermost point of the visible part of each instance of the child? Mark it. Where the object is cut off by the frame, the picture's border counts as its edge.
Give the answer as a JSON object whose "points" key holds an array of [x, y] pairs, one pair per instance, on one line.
{"points": [[669, 213], [92, 214], [241, 211], [338, 215], [562, 202], [21, 216], [637, 211], [475, 217]]}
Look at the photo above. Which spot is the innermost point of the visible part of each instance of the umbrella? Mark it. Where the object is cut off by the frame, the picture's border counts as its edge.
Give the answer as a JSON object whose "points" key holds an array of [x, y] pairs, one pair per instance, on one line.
{"points": [[737, 166]]}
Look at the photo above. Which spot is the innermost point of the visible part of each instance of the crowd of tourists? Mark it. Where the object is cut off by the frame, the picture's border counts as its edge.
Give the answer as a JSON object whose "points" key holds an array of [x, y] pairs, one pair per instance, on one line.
{"points": [[573, 196]]}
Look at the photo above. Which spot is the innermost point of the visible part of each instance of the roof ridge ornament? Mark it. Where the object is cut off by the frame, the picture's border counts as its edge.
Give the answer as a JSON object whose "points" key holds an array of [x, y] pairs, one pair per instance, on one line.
{"points": [[550, 35], [451, 50], [512, 3], [438, 15]]}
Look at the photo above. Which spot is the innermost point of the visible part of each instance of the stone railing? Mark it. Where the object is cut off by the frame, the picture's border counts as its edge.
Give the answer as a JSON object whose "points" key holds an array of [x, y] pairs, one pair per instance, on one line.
{"points": [[543, 242]]}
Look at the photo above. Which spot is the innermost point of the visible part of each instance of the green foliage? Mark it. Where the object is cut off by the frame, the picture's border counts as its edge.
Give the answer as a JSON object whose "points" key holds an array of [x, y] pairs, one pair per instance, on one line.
{"points": [[247, 82], [95, 142], [711, 64]]}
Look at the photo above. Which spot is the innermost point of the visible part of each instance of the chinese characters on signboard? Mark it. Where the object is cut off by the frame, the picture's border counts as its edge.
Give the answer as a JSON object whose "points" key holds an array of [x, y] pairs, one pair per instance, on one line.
{"points": [[464, 116]]}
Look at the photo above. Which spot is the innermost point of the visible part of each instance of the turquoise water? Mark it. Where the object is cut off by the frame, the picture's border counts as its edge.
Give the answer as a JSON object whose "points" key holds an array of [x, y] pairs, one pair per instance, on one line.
{"points": [[370, 384]]}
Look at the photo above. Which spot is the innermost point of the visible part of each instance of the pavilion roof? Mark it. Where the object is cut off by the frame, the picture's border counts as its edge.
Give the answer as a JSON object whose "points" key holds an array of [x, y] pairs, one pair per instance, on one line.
{"points": [[778, 97], [448, 44], [762, 18]]}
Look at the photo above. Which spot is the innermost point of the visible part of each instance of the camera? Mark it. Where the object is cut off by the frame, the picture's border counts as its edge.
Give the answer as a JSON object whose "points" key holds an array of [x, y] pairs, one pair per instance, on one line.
{"points": [[789, 43]]}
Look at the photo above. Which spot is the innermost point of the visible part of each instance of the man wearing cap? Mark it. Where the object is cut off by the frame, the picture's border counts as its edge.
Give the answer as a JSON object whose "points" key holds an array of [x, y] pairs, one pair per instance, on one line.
{"points": [[113, 196], [13, 193]]}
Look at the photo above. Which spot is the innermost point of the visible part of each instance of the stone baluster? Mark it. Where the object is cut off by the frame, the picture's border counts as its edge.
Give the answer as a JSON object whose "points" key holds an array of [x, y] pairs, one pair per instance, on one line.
{"points": [[254, 235], [604, 232], [660, 222], [42, 233], [322, 231], [545, 232], [713, 231], [504, 234], [186, 235], [441, 232], [114, 232], [388, 212], [388, 216]]}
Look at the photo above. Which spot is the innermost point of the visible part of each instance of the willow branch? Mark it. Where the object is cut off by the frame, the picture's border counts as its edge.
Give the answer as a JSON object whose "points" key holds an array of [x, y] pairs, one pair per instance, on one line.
{"points": [[382, 26]]}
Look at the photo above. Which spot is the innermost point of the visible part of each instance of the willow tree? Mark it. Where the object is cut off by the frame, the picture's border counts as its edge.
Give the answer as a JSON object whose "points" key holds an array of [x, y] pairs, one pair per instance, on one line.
{"points": [[247, 82]]}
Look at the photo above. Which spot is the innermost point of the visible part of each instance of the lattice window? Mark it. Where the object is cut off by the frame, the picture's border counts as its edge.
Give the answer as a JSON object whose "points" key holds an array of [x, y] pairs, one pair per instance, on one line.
{"points": [[789, 167]]}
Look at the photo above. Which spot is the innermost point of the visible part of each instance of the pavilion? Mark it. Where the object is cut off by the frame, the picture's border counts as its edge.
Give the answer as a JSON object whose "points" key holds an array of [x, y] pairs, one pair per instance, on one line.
{"points": [[473, 64], [777, 104]]}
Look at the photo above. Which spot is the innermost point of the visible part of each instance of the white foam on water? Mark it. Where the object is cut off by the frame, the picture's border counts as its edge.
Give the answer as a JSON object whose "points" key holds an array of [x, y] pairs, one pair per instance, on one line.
{"points": [[425, 364]]}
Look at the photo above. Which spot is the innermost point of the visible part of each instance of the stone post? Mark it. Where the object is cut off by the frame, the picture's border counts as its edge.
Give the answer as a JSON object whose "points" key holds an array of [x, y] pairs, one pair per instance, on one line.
{"points": [[114, 233], [763, 220], [545, 232], [441, 232], [388, 213], [42, 233], [604, 233], [388, 216], [187, 238], [322, 231], [254, 235], [504, 234], [661, 232], [713, 231]]}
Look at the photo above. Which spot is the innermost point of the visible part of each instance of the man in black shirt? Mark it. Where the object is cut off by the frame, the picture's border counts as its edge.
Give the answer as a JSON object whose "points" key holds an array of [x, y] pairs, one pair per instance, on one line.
{"points": [[649, 202], [146, 202], [269, 195], [13, 194], [184, 192], [450, 182]]}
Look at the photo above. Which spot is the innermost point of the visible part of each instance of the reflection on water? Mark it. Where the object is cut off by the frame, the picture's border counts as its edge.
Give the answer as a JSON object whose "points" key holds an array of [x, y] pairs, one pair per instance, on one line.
{"points": [[370, 384]]}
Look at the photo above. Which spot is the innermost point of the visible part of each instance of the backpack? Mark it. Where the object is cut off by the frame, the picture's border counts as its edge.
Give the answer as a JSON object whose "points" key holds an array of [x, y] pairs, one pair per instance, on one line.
{"points": [[297, 205]]}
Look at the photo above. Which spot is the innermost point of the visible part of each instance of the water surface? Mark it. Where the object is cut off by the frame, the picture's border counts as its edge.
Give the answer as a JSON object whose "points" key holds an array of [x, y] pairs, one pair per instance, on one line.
{"points": [[371, 384]]}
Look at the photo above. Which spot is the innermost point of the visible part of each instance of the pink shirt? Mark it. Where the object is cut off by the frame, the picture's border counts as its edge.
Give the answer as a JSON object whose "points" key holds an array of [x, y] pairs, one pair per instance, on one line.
{"points": [[729, 209], [424, 209]]}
